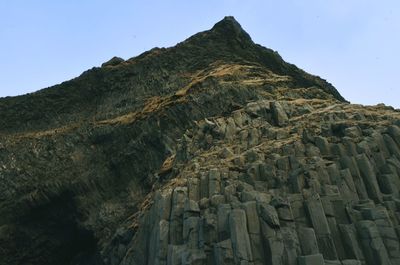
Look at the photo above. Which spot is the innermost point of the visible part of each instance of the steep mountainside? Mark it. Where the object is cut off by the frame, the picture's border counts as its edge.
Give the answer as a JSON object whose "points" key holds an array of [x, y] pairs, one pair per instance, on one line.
{"points": [[214, 151]]}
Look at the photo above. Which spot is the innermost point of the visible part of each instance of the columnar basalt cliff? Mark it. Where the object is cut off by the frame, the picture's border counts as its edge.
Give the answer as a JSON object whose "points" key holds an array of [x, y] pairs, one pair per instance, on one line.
{"points": [[214, 151]]}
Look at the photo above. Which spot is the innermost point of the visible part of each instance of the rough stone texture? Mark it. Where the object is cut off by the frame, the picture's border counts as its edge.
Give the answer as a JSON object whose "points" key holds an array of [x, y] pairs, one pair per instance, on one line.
{"points": [[372, 244], [309, 245], [215, 151], [239, 235], [223, 252], [316, 259], [369, 177]]}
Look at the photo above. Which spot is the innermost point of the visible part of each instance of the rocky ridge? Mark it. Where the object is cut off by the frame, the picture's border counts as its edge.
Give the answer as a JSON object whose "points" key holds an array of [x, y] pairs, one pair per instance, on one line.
{"points": [[214, 151]]}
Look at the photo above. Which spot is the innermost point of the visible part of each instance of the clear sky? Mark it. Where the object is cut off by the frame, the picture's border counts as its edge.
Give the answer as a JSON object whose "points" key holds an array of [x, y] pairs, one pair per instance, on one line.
{"points": [[354, 44]]}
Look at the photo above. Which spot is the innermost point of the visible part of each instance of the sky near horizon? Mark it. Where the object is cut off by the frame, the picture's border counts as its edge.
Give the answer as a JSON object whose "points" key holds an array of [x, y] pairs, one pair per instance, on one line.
{"points": [[354, 44]]}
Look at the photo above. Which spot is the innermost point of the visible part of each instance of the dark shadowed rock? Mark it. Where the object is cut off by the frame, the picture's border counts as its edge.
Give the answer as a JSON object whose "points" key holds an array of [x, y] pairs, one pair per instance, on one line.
{"points": [[113, 62]]}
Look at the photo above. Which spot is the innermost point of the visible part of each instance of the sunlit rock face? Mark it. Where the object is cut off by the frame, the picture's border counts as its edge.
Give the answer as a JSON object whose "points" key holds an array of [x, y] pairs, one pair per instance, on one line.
{"points": [[214, 151]]}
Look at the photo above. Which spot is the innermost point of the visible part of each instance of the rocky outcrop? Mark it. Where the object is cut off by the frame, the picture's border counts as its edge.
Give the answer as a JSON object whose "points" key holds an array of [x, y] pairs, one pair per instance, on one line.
{"points": [[285, 200], [215, 151]]}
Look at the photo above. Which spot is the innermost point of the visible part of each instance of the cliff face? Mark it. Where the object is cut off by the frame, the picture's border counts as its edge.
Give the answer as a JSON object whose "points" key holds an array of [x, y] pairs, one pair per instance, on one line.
{"points": [[214, 151]]}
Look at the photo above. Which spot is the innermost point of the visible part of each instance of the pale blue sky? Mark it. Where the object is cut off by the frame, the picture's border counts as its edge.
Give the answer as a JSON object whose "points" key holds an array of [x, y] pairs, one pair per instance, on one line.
{"points": [[354, 44]]}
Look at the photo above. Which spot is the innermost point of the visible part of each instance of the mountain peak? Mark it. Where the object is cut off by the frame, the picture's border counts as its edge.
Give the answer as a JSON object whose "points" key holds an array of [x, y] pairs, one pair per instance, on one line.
{"points": [[229, 27], [228, 22]]}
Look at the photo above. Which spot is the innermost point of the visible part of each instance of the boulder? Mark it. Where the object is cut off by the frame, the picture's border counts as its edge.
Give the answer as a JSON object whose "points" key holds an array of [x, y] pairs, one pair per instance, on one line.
{"points": [[278, 113]]}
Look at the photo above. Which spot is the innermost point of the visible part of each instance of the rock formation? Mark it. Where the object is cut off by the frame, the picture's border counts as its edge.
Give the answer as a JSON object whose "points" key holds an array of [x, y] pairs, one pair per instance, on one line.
{"points": [[214, 151]]}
